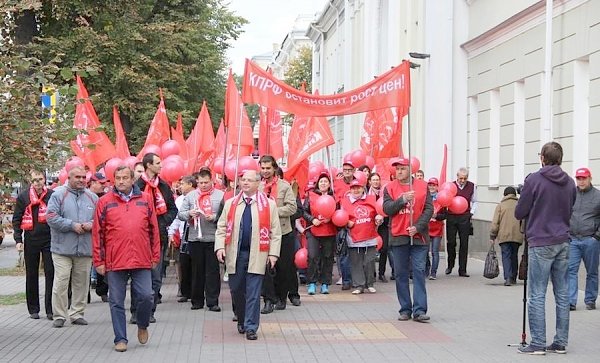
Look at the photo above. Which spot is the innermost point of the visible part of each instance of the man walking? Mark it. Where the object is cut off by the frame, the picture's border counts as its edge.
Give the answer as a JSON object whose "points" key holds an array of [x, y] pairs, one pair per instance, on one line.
{"points": [[70, 215], [546, 204], [248, 236], [126, 245], [585, 236], [29, 225]]}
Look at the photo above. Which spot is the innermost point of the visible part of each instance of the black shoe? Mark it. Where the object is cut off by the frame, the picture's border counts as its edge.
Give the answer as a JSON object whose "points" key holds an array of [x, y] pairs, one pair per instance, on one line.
{"points": [[268, 309], [507, 282], [34, 316], [302, 280], [448, 271], [159, 300], [93, 284], [464, 274], [50, 316], [235, 318], [346, 286], [404, 317], [197, 306], [241, 329], [590, 306], [382, 278], [251, 335], [133, 319], [392, 277], [79, 321], [572, 307], [152, 318], [280, 305], [214, 308], [296, 301], [58, 323], [421, 318], [182, 299], [104, 298]]}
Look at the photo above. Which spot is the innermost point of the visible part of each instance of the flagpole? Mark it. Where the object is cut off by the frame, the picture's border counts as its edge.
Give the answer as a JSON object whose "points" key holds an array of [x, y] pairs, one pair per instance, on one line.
{"points": [[410, 185], [237, 156], [330, 172]]}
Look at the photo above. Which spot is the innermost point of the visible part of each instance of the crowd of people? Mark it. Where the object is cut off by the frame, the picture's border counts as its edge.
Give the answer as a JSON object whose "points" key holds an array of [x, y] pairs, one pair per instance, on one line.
{"points": [[250, 229]]}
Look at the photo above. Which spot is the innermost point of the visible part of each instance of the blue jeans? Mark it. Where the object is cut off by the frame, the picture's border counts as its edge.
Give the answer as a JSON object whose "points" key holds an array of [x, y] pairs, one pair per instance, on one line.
{"points": [[344, 266], [588, 249], [548, 262], [510, 259], [435, 254], [417, 256], [141, 283]]}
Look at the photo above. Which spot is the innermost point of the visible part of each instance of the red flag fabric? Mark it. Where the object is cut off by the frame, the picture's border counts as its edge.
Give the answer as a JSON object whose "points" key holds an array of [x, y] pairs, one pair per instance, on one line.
{"points": [[307, 136], [179, 125], [122, 149], [236, 117], [178, 137], [220, 145], [270, 133], [159, 128], [92, 146], [201, 142], [300, 174], [388, 90], [382, 133], [444, 165]]}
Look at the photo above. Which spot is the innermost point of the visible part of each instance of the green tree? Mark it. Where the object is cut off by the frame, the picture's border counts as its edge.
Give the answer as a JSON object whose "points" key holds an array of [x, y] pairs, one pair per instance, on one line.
{"points": [[299, 69]]}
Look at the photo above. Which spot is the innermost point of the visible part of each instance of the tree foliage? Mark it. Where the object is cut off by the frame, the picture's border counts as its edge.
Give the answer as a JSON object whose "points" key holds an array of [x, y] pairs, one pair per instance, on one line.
{"points": [[299, 69]]}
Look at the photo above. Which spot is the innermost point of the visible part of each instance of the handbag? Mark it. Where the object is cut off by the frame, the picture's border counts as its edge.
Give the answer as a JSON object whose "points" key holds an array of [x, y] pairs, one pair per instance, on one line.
{"points": [[523, 267], [341, 244], [491, 269]]}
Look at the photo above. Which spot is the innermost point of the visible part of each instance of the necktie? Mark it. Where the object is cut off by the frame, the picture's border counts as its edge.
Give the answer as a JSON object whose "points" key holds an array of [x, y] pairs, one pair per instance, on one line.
{"points": [[246, 229]]}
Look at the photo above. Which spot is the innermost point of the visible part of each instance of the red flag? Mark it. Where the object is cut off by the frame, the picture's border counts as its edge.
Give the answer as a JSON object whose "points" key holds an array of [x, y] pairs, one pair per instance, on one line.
{"points": [[159, 128], [120, 141], [270, 133], [307, 136], [382, 133], [201, 142], [178, 137], [92, 146], [220, 147], [299, 173], [444, 165], [179, 125], [236, 117]]}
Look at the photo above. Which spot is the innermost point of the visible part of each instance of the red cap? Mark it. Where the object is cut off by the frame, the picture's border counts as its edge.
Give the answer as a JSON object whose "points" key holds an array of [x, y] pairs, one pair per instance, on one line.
{"points": [[348, 162], [356, 182], [583, 173], [433, 181], [400, 161], [99, 177]]}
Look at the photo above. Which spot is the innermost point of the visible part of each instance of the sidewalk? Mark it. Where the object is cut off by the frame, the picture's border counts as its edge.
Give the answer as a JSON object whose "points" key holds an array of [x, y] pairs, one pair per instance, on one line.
{"points": [[473, 320]]}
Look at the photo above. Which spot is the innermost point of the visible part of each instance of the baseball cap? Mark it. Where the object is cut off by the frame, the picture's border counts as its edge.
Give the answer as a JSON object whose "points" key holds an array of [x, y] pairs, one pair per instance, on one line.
{"points": [[583, 173], [433, 181], [356, 182], [348, 162], [99, 177], [400, 161]]}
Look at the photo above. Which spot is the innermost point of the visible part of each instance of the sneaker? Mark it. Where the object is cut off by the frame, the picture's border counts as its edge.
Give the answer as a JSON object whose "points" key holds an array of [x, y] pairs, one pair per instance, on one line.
{"points": [[357, 291], [421, 318], [404, 317], [324, 289], [371, 289], [590, 306], [507, 282], [532, 350], [79, 321], [311, 288], [58, 323], [34, 316], [556, 348], [433, 276], [339, 282]]}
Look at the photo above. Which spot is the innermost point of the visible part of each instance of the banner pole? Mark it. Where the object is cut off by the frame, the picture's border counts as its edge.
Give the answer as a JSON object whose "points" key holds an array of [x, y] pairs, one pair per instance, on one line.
{"points": [[330, 172], [237, 156], [410, 180]]}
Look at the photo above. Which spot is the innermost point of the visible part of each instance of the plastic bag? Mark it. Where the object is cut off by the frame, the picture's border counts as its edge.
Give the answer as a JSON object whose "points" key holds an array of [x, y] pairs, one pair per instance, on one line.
{"points": [[491, 269]]}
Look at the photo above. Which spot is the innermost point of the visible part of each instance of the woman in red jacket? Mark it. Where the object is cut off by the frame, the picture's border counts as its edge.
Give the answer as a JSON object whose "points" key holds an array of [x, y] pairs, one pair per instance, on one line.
{"points": [[362, 236], [321, 239]]}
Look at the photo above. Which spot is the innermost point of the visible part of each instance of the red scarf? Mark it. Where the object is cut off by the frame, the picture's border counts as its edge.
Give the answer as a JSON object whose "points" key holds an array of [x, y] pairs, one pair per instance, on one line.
{"points": [[27, 220], [204, 202], [152, 188], [264, 220], [270, 189]]}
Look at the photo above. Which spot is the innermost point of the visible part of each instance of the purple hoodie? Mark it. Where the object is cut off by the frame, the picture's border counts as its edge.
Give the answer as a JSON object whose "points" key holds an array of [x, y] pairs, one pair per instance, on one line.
{"points": [[547, 201]]}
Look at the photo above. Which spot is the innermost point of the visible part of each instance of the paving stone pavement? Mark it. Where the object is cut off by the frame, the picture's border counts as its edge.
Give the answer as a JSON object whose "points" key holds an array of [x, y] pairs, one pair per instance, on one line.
{"points": [[472, 320]]}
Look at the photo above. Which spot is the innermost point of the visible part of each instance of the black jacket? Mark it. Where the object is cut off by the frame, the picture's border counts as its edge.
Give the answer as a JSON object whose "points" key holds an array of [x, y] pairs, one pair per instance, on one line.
{"points": [[41, 231]]}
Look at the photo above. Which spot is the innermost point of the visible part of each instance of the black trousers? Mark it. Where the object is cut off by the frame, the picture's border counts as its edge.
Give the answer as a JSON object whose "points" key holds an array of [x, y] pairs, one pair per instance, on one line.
{"points": [[320, 258], [460, 224], [32, 252], [286, 278], [206, 278], [185, 274], [384, 232]]}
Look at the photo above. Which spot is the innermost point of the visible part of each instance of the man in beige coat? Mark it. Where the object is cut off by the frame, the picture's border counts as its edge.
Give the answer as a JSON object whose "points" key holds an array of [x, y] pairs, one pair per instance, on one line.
{"points": [[507, 231], [248, 237]]}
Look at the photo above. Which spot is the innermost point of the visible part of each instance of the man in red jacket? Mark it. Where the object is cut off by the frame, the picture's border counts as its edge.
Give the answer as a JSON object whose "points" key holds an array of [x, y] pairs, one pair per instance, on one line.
{"points": [[126, 243]]}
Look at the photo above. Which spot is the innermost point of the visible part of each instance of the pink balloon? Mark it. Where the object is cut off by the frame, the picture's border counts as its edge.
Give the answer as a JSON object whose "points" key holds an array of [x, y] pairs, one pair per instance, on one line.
{"points": [[415, 164], [155, 149], [173, 158], [72, 162], [379, 243], [218, 165], [379, 207], [359, 158], [170, 147], [247, 163], [130, 161], [361, 177], [348, 159], [340, 218], [111, 166], [63, 175], [458, 205], [172, 169], [370, 162], [450, 187], [314, 170], [324, 206], [230, 169], [444, 198], [301, 258]]}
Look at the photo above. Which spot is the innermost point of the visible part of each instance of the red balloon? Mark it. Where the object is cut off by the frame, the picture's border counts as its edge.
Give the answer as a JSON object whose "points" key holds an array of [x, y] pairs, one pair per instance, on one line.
{"points": [[358, 157], [348, 159], [361, 177], [379, 243], [62, 176], [247, 163], [444, 198], [218, 166], [111, 166], [155, 149], [340, 218], [333, 170], [415, 164], [170, 147], [458, 205], [324, 206], [314, 170], [370, 162], [173, 158], [318, 163], [450, 187], [130, 161], [72, 162], [301, 258], [172, 169], [230, 169], [379, 207]]}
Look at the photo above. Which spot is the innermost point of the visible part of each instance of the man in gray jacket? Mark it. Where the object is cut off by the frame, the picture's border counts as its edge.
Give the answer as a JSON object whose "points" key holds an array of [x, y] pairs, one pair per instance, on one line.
{"points": [[70, 215], [585, 236], [200, 209]]}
